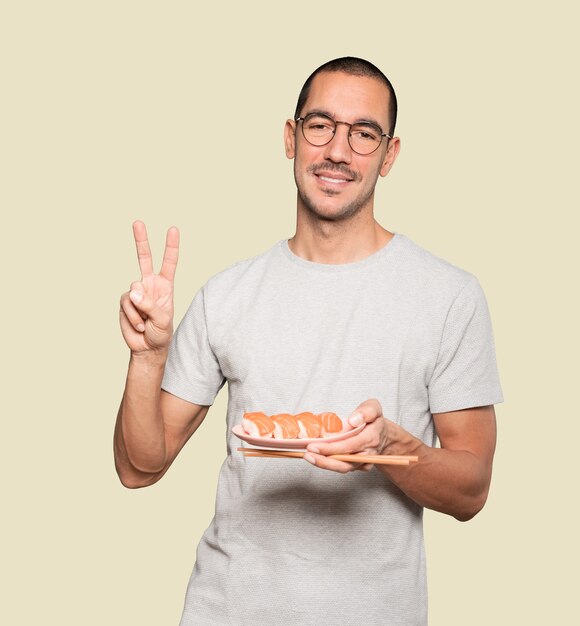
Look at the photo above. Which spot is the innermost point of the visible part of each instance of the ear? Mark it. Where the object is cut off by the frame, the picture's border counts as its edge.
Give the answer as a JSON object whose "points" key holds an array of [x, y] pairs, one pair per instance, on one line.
{"points": [[390, 155], [290, 138]]}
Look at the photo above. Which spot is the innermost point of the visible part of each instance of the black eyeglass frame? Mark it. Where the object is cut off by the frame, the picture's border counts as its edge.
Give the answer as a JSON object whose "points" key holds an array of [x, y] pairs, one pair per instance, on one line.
{"points": [[336, 123]]}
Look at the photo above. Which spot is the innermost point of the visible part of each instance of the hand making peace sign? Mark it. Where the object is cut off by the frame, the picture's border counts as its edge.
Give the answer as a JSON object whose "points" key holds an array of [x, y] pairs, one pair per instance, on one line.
{"points": [[146, 313]]}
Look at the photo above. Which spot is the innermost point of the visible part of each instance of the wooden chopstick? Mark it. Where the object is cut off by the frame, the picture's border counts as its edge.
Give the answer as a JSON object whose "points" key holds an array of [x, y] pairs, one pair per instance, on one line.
{"points": [[377, 459]]}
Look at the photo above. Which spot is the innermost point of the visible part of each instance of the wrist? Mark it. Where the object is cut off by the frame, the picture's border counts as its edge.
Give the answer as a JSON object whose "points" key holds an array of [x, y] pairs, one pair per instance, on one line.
{"points": [[401, 442], [149, 359]]}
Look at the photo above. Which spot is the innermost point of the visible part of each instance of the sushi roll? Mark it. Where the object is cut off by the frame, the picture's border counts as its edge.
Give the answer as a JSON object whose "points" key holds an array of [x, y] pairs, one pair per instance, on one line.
{"points": [[258, 424], [331, 423], [285, 426], [309, 424]]}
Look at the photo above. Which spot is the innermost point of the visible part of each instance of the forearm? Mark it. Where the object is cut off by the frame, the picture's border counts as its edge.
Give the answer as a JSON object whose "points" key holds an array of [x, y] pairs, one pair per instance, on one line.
{"points": [[455, 482], [139, 440], [453, 479]]}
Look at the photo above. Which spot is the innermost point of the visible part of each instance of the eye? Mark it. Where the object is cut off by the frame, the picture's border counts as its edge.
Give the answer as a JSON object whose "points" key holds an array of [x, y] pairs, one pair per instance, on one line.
{"points": [[365, 133], [319, 125]]}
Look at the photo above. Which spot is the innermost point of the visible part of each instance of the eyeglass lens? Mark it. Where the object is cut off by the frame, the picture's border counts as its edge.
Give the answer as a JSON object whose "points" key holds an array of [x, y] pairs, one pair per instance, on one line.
{"points": [[319, 130]]}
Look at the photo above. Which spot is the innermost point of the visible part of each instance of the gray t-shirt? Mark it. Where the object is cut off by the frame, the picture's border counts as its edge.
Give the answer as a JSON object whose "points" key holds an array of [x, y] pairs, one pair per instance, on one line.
{"points": [[291, 543]]}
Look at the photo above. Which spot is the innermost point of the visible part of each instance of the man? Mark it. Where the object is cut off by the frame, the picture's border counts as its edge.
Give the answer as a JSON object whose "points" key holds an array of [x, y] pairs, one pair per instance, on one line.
{"points": [[347, 317]]}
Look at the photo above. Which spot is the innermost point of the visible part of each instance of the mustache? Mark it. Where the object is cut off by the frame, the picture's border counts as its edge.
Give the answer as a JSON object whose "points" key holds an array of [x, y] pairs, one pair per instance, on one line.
{"points": [[333, 167]]}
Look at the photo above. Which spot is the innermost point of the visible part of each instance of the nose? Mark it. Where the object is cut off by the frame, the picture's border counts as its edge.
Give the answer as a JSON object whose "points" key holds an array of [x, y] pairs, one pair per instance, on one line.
{"points": [[338, 149]]}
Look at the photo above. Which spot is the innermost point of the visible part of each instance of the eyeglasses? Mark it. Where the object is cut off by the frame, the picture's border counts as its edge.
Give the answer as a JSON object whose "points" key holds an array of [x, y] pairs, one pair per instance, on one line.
{"points": [[363, 137]]}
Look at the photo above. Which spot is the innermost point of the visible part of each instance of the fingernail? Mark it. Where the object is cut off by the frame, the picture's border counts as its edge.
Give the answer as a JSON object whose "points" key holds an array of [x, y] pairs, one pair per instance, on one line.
{"points": [[355, 419], [136, 296], [314, 449], [141, 327], [310, 458]]}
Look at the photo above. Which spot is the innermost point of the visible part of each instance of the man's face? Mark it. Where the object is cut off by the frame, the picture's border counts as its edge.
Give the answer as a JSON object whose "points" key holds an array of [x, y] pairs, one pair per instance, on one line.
{"points": [[334, 182]]}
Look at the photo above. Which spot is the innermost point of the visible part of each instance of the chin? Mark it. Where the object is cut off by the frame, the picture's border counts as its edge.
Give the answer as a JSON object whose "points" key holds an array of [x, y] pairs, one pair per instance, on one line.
{"points": [[332, 213], [334, 216]]}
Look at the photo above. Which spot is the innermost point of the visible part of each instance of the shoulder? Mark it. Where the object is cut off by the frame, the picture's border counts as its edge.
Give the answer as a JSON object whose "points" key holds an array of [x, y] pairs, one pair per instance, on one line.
{"points": [[425, 271], [241, 274]]}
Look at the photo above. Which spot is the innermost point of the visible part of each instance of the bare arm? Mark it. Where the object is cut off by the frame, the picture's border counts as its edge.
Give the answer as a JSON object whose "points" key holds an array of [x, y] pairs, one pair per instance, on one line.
{"points": [[152, 425], [453, 479], [151, 431]]}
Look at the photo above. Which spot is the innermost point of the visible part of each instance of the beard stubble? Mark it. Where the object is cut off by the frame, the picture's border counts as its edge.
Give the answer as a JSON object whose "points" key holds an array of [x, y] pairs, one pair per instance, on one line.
{"points": [[349, 209]]}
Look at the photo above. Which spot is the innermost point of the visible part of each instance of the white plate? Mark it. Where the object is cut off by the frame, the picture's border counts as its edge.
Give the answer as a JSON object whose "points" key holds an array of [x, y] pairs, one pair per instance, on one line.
{"points": [[270, 442]]}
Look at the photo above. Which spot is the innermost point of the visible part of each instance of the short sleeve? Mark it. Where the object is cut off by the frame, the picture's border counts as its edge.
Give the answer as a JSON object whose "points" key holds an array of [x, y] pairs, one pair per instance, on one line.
{"points": [[465, 373], [192, 371]]}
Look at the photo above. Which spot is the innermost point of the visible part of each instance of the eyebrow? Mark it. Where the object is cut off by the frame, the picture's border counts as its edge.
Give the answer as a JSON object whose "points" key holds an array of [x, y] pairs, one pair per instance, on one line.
{"points": [[368, 120]]}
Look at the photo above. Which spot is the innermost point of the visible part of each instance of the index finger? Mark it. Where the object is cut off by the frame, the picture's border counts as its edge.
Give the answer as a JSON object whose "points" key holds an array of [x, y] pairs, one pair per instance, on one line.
{"points": [[171, 254], [143, 250], [353, 445]]}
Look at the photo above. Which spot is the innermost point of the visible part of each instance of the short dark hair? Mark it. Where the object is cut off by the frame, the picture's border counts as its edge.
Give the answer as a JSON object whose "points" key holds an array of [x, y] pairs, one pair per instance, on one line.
{"points": [[355, 67]]}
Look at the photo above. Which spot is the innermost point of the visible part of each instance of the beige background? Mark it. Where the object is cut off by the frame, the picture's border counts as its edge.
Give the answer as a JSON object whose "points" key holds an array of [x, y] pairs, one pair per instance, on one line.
{"points": [[113, 111]]}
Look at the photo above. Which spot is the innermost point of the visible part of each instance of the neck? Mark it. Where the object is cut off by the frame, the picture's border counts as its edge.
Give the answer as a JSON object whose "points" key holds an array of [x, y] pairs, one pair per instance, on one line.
{"points": [[340, 241]]}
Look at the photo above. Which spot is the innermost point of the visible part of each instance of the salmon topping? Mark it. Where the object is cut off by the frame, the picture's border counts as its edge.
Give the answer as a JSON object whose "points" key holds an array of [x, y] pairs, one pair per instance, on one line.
{"points": [[258, 424], [305, 425], [310, 425], [331, 423], [285, 426]]}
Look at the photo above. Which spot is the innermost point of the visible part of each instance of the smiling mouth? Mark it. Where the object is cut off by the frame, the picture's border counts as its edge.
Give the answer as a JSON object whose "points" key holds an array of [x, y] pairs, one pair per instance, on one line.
{"points": [[332, 180]]}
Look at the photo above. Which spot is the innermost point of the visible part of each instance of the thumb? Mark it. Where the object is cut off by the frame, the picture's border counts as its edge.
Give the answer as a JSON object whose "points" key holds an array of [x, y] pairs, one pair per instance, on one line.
{"points": [[142, 302], [150, 310], [366, 412]]}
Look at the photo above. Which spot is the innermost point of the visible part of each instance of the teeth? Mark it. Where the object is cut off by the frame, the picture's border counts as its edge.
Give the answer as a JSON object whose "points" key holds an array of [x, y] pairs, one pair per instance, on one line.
{"points": [[334, 180]]}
